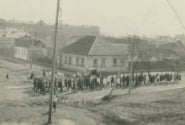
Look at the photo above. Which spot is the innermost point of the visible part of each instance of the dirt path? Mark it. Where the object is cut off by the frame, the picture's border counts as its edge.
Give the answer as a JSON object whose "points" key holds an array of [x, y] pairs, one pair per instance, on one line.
{"points": [[152, 105], [17, 108], [22, 106]]}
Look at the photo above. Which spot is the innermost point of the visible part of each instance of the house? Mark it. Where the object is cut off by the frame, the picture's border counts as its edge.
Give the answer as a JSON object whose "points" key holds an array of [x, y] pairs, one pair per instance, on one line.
{"points": [[25, 45], [7, 42], [96, 52]]}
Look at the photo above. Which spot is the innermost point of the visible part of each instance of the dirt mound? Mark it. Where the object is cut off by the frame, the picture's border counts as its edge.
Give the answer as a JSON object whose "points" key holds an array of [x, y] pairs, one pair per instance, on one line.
{"points": [[37, 102]]}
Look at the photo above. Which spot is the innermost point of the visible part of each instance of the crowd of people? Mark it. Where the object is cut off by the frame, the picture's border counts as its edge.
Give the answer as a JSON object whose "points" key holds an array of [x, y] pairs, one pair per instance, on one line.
{"points": [[98, 81]]}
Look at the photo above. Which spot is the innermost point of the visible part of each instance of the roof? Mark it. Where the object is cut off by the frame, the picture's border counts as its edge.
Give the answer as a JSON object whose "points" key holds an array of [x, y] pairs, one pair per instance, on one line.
{"points": [[26, 41], [97, 46], [81, 46], [103, 46]]}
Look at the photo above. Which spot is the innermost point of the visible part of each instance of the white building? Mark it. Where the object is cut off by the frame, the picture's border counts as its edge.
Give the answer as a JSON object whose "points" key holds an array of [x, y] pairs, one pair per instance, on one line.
{"points": [[96, 52], [24, 46]]}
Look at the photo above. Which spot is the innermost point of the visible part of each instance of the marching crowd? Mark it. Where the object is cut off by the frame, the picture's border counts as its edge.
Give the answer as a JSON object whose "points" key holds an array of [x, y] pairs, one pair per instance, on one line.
{"points": [[98, 82]]}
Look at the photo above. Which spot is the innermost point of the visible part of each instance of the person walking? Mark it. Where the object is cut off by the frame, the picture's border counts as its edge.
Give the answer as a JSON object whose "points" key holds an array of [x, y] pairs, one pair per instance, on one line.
{"points": [[44, 73], [7, 76], [55, 100]]}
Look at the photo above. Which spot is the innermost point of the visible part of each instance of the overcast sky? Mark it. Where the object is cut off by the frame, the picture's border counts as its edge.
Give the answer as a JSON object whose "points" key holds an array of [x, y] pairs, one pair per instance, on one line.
{"points": [[115, 17]]}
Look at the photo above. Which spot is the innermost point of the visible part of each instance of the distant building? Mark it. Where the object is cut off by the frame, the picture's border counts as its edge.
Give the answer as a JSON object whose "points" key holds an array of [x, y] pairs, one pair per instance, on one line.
{"points": [[24, 46], [95, 52], [45, 32]]}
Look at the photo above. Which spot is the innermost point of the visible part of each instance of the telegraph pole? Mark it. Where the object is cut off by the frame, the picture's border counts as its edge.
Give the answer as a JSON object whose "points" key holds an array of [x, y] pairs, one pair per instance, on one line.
{"points": [[131, 42], [131, 64], [53, 65], [31, 54], [149, 54], [32, 37]]}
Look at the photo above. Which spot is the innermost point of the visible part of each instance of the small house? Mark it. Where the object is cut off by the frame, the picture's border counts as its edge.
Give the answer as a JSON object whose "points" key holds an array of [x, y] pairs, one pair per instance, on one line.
{"points": [[25, 46], [96, 52]]}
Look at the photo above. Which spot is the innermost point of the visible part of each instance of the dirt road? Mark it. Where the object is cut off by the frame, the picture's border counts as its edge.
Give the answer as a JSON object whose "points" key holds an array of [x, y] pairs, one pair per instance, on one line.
{"points": [[152, 105], [161, 108]]}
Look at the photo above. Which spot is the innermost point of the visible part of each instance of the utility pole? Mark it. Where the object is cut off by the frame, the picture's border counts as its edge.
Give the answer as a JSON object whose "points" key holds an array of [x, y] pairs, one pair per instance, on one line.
{"points": [[131, 42], [131, 64], [32, 37], [122, 64], [31, 53], [53, 65], [149, 54]]}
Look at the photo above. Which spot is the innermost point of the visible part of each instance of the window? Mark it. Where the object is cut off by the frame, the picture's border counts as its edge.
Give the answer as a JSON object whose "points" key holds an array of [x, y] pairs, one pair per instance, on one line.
{"points": [[122, 61], [16, 50], [22, 51], [70, 60], [115, 63], [82, 61], [95, 62], [65, 61], [77, 61], [103, 62]]}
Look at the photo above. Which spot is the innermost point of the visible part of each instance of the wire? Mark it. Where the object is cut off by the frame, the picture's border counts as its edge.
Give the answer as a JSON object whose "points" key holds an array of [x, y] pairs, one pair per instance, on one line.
{"points": [[176, 14]]}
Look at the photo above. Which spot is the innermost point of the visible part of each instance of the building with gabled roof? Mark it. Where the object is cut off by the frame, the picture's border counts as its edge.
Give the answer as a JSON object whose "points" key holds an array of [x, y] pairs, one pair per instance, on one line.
{"points": [[26, 41], [24, 45], [96, 52]]}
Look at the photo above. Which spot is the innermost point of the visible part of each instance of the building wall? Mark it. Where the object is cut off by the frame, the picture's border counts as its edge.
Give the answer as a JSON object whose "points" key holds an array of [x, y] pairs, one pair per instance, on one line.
{"points": [[39, 51], [102, 63], [69, 61], [21, 53], [108, 63]]}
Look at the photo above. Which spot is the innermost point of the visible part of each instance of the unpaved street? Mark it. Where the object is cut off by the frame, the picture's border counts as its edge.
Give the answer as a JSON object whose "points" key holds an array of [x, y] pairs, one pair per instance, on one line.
{"points": [[151, 105]]}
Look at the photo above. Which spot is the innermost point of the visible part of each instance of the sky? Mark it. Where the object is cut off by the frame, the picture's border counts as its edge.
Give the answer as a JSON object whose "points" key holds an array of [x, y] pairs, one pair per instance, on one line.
{"points": [[115, 17]]}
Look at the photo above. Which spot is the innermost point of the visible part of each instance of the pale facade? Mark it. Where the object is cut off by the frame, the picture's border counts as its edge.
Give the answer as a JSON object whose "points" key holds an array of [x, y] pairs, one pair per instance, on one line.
{"points": [[95, 52], [22, 53], [25, 47], [101, 63]]}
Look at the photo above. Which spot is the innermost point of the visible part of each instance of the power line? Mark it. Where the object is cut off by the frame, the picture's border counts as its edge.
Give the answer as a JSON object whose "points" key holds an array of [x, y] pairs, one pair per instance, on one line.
{"points": [[176, 14]]}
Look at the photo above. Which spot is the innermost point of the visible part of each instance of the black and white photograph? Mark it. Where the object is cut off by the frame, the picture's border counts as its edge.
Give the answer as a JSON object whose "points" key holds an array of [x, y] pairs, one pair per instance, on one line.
{"points": [[92, 62]]}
